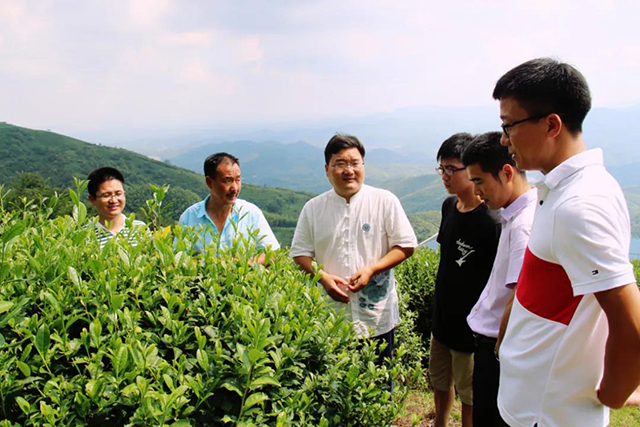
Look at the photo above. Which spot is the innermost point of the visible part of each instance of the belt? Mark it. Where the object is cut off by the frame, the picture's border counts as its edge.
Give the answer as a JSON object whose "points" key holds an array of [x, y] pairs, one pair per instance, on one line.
{"points": [[482, 340]]}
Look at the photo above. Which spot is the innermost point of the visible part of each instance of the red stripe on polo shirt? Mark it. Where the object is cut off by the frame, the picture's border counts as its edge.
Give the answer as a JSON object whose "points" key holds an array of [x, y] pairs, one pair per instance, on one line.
{"points": [[545, 290]]}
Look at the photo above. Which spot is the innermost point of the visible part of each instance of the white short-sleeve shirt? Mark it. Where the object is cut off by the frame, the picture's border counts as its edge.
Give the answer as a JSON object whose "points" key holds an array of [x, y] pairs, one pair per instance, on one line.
{"points": [[552, 356], [517, 218], [345, 237]]}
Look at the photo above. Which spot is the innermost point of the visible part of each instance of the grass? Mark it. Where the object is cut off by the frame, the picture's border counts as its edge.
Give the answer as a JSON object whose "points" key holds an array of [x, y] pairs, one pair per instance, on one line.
{"points": [[420, 404]]}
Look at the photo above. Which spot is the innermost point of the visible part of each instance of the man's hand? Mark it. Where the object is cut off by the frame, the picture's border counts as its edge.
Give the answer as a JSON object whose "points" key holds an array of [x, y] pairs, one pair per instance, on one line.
{"points": [[334, 286], [621, 368], [360, 279]]}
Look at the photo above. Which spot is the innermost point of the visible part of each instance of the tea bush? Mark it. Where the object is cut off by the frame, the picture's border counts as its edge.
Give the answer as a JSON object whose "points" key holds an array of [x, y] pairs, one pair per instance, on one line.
{"points": [[416, 279], [153, 334]]}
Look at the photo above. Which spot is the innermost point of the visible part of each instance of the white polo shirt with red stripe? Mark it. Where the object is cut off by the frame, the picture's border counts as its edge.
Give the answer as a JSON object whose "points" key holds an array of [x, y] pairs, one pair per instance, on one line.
{"points": [[552, 356]]}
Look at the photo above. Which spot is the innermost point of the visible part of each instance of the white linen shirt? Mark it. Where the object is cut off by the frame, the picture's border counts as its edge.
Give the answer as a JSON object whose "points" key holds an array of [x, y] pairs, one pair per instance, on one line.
{"points": [[517, 218], [345, 237], [552, 356]]}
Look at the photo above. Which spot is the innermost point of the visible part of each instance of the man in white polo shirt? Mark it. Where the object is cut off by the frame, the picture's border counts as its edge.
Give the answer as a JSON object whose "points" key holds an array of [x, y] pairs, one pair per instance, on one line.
{"points": [[501, 185], [572, 345], [356, 234]]}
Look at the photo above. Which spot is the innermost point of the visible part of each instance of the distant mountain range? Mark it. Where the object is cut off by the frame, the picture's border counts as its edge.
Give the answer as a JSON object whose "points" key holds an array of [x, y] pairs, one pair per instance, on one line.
{"points": [[298, 166], [419, 129]]}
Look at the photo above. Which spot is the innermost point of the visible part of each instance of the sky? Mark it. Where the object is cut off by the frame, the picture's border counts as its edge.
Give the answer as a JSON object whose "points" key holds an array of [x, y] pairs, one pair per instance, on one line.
{"points": [[85, 65]]}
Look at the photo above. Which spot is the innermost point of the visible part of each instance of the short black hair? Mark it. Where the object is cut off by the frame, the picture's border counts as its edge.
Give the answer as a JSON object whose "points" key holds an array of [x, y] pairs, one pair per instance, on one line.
{"points": [[486, 151], [213, 161], [101, 175], [545, 86], [453, 146], [339, 142]]}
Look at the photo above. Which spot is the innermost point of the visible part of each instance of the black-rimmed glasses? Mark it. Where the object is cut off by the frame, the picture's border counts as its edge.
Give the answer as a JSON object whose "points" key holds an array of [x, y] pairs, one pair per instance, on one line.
{"points": [[448, 170], [506, 126]]}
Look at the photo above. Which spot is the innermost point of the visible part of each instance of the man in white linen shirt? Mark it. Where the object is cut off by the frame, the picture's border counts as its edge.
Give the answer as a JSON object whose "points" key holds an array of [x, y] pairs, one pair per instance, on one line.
{"points": [[501, 185], [356, 234]]}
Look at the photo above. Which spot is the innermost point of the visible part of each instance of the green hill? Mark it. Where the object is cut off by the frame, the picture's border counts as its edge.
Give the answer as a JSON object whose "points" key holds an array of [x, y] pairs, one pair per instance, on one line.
{"points": [[59, 158], [419, 193]]}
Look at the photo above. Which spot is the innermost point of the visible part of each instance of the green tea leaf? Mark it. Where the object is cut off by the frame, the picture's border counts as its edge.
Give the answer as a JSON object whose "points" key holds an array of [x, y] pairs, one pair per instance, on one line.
{"points": [[13, 231], [117, 302], [168, 381], [24, 368], [244, 356], [232, 386], [43, 339], [73, 276], [203, 359], [53, 301], [5, 305], [74, 197], [254, 399], [254, 355], [122, 359], [24, 405], [264, 380]]}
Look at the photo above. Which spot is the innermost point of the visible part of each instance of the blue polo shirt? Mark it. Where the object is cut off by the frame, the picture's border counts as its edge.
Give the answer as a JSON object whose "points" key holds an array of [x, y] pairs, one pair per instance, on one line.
{"points": [[244, 217]]}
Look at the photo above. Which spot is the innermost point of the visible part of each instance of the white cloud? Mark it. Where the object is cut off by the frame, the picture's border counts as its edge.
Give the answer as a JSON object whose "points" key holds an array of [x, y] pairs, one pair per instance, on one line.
{"points": [[144, 14], [153, 62]]}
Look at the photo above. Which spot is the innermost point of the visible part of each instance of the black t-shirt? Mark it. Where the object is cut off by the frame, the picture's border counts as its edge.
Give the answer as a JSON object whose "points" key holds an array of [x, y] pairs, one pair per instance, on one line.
{"points": [[468, 245]]}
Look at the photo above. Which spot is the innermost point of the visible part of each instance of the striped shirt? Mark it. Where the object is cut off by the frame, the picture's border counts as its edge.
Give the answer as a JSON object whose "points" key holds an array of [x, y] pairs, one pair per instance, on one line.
{"points": [[103, 235]]}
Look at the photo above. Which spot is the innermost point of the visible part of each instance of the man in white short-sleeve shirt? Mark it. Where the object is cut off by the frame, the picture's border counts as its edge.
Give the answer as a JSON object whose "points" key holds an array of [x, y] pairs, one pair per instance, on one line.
{"points": [[572, 345], [356, 234]]}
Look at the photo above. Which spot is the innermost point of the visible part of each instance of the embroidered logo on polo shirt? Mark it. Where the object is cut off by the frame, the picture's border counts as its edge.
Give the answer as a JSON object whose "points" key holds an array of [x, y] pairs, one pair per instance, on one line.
{"points": [[594, 272], [465, 251], [366, 227]]}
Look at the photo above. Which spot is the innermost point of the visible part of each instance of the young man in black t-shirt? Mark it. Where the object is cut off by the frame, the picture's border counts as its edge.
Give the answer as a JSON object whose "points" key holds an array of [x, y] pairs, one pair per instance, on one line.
{"points": [[468, 238]]}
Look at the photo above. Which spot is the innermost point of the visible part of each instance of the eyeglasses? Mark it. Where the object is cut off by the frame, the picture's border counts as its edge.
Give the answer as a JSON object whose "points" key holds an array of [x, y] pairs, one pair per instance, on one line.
{"points": [[448, 170], [108, 196], [506, 126], [342, 165]]}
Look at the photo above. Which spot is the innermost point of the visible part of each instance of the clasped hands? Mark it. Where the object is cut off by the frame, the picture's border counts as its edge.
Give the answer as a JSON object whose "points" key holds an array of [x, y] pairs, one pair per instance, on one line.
{"points": [[336, 286]]}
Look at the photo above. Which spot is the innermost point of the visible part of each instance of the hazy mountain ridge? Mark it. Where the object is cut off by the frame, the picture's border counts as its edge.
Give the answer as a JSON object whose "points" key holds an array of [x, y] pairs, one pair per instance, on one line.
{"points": [[59, 158], [419, 129], [299, 165]]}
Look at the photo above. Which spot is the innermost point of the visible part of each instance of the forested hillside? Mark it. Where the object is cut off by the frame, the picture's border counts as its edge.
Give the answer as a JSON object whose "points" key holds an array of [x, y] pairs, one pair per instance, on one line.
{"points": [[58, 158]]}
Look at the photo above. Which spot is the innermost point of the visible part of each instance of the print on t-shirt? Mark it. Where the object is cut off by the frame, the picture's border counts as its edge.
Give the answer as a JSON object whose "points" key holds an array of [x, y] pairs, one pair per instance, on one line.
{"points": [[376, 290], [465, 251]]}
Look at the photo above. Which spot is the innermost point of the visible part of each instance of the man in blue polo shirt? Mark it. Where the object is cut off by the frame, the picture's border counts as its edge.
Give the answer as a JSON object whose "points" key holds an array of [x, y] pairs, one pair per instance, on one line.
{"points": [[222, 216]]}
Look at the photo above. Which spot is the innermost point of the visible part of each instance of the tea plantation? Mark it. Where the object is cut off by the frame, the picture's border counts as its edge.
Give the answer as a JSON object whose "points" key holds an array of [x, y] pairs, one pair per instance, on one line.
{"points": [[154, 334]]}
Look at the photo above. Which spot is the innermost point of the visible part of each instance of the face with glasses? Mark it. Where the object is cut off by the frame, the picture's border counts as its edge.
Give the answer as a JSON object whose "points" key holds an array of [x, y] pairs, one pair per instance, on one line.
{"points": [[345, 172], [526, 136], [454, 177], [109, 200]]}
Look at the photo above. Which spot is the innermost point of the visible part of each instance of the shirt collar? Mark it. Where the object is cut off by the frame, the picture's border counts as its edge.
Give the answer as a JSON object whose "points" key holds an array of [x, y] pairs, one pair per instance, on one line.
{"points": [[353, 198], [202, 207], [518, 204], [572, 165], [201, 210]]}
